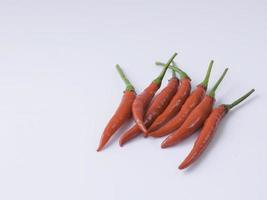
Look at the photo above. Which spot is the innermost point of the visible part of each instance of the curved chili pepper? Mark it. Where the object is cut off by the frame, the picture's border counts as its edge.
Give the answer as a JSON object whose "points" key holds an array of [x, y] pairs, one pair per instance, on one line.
{"points": [[176, 103], [123, 112], [196, 118], [209, 129], [191, 102], [156, 107], [142, 100]]}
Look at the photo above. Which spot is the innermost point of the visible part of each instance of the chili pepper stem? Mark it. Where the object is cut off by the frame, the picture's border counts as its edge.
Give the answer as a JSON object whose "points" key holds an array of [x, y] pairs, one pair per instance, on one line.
{"points": [[158, 80], [236, 102], [175, 68], [205, 82], [173, 74], [129, 86], [212, 91]]}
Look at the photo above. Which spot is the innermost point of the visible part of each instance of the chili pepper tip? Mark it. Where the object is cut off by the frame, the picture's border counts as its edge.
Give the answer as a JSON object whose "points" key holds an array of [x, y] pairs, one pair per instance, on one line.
{"points": [[143, 128], [121, 143], [164, 144], [181, 167]]}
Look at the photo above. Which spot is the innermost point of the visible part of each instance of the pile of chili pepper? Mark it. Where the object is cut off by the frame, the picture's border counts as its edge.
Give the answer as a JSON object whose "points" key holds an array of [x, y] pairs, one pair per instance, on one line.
{"points": [[175, 111]]}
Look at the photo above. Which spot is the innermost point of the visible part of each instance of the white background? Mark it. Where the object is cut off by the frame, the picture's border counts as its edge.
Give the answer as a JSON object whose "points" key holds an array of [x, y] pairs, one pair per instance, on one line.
{"points": [[59, 87]]}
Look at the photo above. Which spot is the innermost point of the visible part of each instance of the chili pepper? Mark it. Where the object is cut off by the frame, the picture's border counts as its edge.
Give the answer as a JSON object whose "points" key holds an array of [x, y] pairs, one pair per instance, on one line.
{"points": [[177, 101], [209, 129], [156, 107], [191, 102], [123, 112], [196, 118], [142, 100]]}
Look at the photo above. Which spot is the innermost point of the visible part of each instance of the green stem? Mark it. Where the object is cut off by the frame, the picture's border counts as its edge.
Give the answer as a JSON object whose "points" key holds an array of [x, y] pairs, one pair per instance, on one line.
{"points": [[205, 82], [128, 84], [158, 80], [175, 68], [212, 91], [173, 74], [230, 106]]}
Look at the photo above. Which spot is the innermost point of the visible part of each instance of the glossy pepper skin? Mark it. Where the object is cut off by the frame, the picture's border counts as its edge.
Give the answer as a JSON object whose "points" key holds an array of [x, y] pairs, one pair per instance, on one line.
{"points": [[192, 101], [174, 106], [195, 119], [177, 101], [142, 100], [208, 131], [122, 114], [161, 101], [205, 135], [157, 106]]}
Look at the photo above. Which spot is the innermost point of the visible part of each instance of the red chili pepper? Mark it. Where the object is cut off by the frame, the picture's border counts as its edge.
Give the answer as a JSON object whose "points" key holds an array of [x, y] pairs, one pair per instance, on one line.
{"points": [[191, 102], [208, 130], [176, 103], [156, 107], [123, 112], [196, 118], [142, 100]]}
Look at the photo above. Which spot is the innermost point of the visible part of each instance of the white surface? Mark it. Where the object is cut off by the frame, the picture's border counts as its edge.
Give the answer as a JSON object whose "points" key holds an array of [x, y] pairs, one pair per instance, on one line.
{"points": [[59, 87]]}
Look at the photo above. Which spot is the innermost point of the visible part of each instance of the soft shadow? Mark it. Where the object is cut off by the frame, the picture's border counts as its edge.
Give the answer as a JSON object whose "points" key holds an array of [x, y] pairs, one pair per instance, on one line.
{"points": [[218, 135], [180, 145]]}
